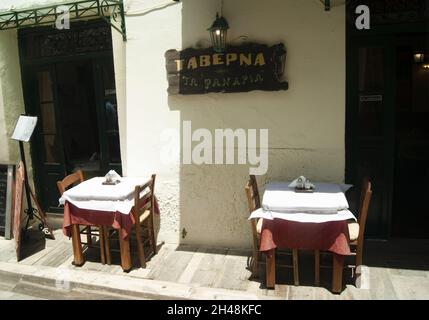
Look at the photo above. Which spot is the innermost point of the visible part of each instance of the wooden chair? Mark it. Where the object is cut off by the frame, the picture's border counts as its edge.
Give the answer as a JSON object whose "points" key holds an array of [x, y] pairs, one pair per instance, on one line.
{"points": [[254, 203], [143, 210], [63, 185], [356, 231]]}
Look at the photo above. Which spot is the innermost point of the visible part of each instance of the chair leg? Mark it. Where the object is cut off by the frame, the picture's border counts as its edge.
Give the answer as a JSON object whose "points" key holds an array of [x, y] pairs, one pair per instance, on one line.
{"points": [[88, 235], [316, 268], [140, 247], [255, 263], [359, 254], [295, 267]]}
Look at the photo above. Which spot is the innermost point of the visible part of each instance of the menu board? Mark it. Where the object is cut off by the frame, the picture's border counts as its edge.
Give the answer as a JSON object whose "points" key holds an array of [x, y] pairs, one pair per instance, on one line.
{"points": [[24, 128], [6, 199]]}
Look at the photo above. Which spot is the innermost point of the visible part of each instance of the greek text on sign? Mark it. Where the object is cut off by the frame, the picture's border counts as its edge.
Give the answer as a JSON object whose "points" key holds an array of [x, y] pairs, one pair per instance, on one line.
{"points": [[240, 69]]}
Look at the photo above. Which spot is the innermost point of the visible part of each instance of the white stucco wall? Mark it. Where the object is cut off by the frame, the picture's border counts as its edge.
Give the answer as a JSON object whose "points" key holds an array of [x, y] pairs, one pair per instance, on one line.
{"points": [[11, 97], [306, 123]]}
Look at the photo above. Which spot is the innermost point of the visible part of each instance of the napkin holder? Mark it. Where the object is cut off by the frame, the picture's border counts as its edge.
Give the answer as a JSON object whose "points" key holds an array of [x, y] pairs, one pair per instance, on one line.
{"points": [[303, 185], [304, 190], [112, 178], [111, 182]]}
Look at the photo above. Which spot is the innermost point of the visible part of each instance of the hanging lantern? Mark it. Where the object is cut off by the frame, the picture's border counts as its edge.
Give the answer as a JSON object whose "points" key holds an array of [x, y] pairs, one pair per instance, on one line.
{"points": [[218, 32]]}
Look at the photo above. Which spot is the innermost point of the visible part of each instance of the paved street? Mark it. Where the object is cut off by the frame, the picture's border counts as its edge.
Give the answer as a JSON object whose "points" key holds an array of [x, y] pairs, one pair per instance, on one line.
{"points": [[397, 269]]}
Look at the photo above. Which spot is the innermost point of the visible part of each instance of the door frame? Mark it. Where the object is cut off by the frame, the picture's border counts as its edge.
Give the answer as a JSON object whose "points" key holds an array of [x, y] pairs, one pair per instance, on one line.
{"points": [[28, 66]]}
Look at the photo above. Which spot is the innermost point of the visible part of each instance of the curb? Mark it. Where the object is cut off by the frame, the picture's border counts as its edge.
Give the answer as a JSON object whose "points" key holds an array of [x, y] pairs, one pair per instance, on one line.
{"points": [[125, 286]]}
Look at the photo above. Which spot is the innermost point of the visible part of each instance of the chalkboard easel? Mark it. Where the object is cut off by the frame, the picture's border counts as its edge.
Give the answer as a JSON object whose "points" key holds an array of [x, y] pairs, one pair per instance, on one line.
{"points": [[6, 199]]}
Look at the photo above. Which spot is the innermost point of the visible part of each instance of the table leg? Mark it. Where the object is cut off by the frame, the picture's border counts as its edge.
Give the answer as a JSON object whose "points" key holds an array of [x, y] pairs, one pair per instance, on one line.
{"points": [[317, 267], [337, 273], [102, 245], [77, 246], [295, 267], [271, 269], [105, 230], [125, 252]]}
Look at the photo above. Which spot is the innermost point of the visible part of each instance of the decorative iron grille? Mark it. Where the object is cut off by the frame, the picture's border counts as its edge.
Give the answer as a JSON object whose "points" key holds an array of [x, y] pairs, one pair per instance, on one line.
{"points": [[83, 37], [108, 10]]}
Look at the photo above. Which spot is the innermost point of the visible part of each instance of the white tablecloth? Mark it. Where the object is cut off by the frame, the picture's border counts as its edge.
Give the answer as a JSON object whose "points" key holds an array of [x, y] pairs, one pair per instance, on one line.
{"points": [[327, 203], [93, 195], [327, 198], [303, 217]]}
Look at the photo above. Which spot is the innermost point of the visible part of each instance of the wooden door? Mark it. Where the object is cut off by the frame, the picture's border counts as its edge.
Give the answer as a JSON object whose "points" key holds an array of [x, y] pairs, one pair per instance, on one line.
{"points": [[46, 143]]}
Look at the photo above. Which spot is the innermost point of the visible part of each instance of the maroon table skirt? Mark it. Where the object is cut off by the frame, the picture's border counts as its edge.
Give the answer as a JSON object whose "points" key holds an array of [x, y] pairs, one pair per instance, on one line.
{"points": [[117, 220], [328, 236]]}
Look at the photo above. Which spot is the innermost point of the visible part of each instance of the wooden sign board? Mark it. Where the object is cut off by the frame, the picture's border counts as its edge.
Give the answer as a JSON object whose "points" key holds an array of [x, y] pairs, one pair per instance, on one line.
{"points": [[240, 69], [17, 208], [6, 200]]}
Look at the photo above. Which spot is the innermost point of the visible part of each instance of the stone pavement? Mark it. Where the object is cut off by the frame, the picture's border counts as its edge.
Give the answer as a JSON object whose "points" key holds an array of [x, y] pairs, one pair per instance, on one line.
{"points": [[398, 269]]}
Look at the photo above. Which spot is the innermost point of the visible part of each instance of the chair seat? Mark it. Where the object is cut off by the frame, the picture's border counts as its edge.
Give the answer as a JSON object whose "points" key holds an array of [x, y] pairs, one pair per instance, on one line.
{"points": [[259, 226], [353, 230]]}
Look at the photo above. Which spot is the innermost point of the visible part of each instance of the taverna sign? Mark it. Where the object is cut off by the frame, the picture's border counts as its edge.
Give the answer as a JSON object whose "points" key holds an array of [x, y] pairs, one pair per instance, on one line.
{"points": [[239, 69]]}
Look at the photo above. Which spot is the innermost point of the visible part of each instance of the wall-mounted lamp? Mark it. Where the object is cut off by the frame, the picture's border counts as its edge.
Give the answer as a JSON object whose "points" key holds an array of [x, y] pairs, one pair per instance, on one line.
{"points": [[218, 32], [426, 66], [419, 57], [327, 5]]}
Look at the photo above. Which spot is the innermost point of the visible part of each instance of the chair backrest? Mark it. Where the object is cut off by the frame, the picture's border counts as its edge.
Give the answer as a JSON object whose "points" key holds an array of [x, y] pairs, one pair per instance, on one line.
{"points": [[69, 180], [254, 203], [365, 199], [252, 194], [144, 196]]}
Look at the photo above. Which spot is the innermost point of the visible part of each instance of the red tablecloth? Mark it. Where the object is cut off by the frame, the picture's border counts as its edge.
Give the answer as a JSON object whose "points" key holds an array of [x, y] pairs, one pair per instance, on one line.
{"points": [[117, 220], [328, 236]]}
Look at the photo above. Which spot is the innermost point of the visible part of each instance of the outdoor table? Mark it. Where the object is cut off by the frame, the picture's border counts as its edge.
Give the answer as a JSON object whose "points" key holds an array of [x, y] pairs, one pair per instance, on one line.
{"points": [[314, 221], [94, 204]]}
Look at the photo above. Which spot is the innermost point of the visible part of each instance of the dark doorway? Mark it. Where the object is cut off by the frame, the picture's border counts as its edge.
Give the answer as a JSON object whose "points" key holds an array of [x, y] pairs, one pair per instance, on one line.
{"points": [[69, 84], [76, 97], [410, 207], [387, 132]]}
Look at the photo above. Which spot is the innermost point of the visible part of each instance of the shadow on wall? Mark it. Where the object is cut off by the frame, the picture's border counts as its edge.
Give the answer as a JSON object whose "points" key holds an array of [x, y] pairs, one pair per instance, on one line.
{"points": [[213, 207]]}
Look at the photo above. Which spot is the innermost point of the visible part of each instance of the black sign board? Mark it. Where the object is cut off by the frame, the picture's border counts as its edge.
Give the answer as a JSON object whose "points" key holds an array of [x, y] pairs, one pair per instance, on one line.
{"points": [[240, 69], [6, 183]]}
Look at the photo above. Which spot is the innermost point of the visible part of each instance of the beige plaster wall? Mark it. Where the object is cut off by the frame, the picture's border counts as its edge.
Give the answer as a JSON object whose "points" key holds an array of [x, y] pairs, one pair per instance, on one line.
{"points": [[306, 123], [11, 97]]}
